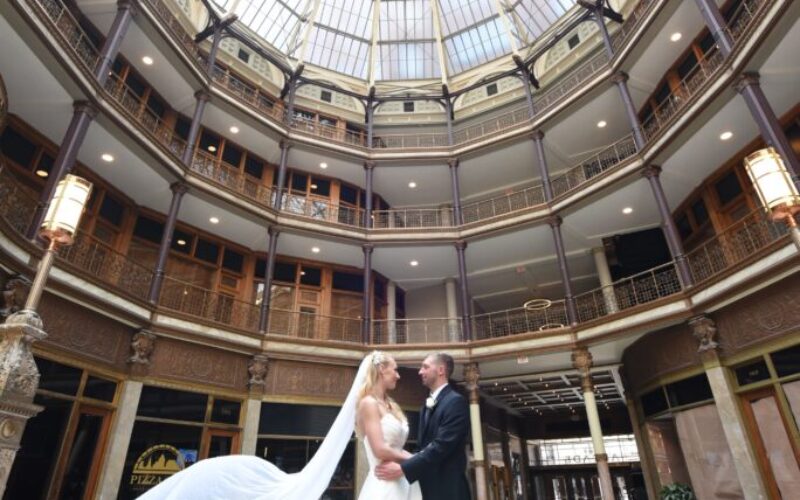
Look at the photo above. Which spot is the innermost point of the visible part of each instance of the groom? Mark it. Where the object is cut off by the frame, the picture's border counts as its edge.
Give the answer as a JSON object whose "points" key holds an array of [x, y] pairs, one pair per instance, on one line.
{"points": [[440, 465]]}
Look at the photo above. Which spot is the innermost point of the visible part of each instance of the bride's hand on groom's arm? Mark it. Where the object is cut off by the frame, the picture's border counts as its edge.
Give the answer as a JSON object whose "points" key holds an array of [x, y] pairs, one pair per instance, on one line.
{"points": [[388, 471]]}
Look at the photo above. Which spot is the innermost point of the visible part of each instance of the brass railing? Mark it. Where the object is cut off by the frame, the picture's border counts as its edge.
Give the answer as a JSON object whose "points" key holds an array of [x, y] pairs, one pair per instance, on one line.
{"points": [[321, 209], [744, 15], [71, 32], [594, 165], [314, 326], [177, 30], [519, 320], [330, 132], [417, 331], [136, 108], [641, 288], [231, 177], [502, 205], [736, 243], [207, 304], [413, 218], [107, 265], [491, 126], [410, 141], [249, 94]]}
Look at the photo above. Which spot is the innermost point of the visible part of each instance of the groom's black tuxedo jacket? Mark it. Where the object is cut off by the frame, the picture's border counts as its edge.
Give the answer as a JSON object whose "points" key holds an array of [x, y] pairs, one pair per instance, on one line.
{"points": [[440, 466]]}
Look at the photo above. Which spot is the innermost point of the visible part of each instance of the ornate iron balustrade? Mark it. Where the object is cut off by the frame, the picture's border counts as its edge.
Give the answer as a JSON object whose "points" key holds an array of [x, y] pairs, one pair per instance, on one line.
{"points": [[412, 218], [71, 32], [249, 94], [231, 177], [410, 141], [744, 16], [321, 209], [198, 302], [314, 326], [135, 107], [177, 30], [647, 286], [519, 320], [417, 331], [594, 165], [328, 132], [491, 126], [738, 242], [506, 204]]}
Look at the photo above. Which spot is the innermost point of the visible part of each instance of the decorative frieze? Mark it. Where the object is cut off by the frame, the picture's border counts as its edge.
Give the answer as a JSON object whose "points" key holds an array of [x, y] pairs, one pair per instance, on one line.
{"points": [[198, 364], [14, 294]]}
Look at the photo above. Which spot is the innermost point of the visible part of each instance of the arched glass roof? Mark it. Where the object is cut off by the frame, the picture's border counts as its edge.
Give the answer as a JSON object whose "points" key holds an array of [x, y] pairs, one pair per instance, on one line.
{"points": [[398, 39]]}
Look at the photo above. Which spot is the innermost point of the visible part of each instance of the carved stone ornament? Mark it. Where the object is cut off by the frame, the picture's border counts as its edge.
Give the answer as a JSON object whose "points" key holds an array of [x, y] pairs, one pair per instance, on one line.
{"points": [[705, 331], [142, 345], [19, 376], [258, 367], [14, 294], [472, 374]]}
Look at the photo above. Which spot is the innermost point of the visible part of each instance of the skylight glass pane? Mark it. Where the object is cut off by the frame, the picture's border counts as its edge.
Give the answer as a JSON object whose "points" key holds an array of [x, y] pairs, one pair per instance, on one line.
{"points": [[405, 20], [277, 22], [407, 61], [476, 45], [338, 52], [536, 16], [457, 15]]}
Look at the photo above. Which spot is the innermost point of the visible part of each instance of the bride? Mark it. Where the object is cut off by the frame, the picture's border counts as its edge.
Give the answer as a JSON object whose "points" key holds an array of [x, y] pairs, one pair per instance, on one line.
{"points": [[380, 423]]}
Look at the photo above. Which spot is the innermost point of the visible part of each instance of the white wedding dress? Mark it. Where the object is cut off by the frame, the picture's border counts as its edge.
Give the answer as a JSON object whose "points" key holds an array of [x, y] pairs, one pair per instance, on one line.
{"points": [[395, 434], [244, 477]]}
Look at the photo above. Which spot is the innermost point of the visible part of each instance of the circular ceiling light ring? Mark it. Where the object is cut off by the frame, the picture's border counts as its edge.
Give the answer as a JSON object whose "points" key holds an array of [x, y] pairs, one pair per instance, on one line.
{"points": [[550, 326], [537, 304]]}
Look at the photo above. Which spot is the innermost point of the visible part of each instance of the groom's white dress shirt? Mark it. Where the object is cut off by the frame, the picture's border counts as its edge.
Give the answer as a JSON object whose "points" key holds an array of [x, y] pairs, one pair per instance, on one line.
{"points": [[435, 394]]}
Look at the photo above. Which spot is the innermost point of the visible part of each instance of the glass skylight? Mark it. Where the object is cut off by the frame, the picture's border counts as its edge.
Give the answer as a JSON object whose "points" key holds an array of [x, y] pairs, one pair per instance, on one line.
{"points": [[409, 36]]}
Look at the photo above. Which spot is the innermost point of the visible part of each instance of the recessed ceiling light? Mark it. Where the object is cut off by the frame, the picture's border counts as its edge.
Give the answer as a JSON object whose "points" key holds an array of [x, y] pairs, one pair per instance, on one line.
{"points": [[675, 37], [147, 60], [412, 184], [181, 242], [214, 220], [313, 186], [627, 210], [42, 173], [726, 135], [302, 273], [414, 263], [106, 157], [601, 124], [323, 165], [212, 148], [315, 249], [234, 129]]}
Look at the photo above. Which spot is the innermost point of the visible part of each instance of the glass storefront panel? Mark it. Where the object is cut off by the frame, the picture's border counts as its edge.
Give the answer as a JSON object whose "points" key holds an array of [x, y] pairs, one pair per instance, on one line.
{"points": [[777, 445], [84, 448]]}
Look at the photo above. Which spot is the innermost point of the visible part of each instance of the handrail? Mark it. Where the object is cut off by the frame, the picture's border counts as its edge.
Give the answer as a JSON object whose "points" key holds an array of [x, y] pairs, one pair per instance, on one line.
{"points": [[231, 177], [248, 93], [176, 29], [742, 18], [68, 27], [520, 320], [413, 218], [190, 299], [594, 165], [417, 331], [320, 209], [309, 325]]}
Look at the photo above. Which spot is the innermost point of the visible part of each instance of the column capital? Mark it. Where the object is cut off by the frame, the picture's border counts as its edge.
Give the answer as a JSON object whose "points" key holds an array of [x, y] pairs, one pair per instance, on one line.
{"points": [[85, 107], [179, 188], [369, 165], [582, 361], [127, 5], [536, 135], [651, 171], [368, 247], [273, 230], [619, 77], [746, 79], [285, 144], [460, 244], [258, 367], [453, 162], [554, 221], [704, 330], [202, 95], [143, 344], [472, 375]]}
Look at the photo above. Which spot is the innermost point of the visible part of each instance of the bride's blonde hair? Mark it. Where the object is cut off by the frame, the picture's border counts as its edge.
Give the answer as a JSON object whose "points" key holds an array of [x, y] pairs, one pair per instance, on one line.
{"points": [[378, 362]]}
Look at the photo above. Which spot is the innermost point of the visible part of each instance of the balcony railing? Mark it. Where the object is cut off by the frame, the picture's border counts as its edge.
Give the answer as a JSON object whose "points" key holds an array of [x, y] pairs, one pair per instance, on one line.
{"points": [[742, 18], [72, 35], [213, 306], [519, 320], [108, 266], [503, 205], [307, 325], [410, 141], [647, 286], [321, 209], [594, 165], [329, 132], [735, 244], [417, 331], [412, 218], [491, 126], [249, 94], [177, 30], [231, 177]]}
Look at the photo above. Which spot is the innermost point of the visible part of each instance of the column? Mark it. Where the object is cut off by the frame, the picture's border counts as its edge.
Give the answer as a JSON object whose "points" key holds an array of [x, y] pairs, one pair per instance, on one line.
{"points": [[266, 296], [505, 449], [771, 131], [212, 53], [290, 102], [125, 12], [472, 375], [582, 361], [82, 116], [563, 267], [716, 25], [652, 173], [526, 84], [277, 200], [117, 447], [733, 425], [601, 25], [526, 460], [464, 295], [604, 273], [202, 98], [452, 163], [453, 334], [391, 312], [19, 378], [538, 142], [448, 110], [645, 455], [178, 190], [370, 114], [621, 81], [257, 367], [369, 168], [366, 303]]}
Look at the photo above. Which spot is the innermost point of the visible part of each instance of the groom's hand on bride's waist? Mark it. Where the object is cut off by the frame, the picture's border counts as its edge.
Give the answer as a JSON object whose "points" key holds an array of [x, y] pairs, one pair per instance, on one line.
{"points": [[388, 471]]}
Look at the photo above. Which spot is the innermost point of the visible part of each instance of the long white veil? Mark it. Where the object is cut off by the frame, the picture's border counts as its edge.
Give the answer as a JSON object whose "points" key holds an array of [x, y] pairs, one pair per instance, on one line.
{"points": [[242, 476]]}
